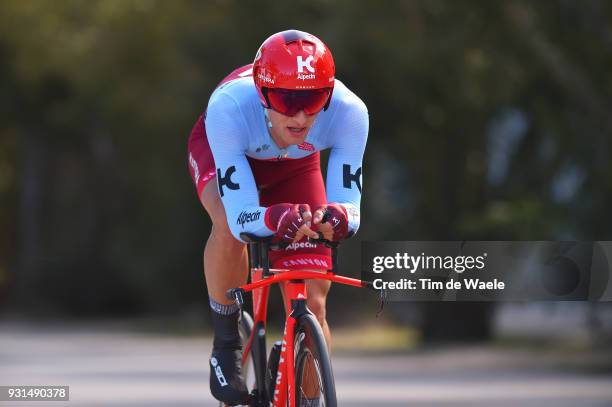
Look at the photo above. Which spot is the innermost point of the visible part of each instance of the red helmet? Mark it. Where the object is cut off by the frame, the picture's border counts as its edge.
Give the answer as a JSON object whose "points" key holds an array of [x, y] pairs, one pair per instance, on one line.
{"points": [[293, 61]]}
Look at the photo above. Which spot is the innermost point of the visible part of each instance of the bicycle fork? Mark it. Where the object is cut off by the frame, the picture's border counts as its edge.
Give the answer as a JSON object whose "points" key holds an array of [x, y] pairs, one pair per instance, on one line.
{"points": [[285, 377]]}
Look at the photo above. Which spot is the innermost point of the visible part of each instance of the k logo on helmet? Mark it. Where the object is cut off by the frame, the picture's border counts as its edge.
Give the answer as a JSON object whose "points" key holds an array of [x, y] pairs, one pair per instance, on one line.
{"points": [[301, 64]]}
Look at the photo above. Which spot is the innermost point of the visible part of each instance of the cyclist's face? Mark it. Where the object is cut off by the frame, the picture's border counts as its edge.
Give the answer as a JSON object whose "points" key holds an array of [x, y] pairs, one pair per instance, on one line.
{"points": [[289, 130]]}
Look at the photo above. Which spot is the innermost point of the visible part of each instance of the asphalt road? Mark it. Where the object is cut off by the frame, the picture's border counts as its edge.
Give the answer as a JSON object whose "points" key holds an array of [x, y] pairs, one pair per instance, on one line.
{"points": [[110, 368]]}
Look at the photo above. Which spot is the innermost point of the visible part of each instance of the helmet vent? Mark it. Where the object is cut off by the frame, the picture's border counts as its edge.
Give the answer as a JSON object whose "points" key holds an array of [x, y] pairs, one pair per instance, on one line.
{"points": [[295, 35]]}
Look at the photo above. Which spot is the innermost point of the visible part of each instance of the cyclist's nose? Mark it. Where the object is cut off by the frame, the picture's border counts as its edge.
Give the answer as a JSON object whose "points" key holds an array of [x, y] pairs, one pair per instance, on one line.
{"points": [[300, 118]]}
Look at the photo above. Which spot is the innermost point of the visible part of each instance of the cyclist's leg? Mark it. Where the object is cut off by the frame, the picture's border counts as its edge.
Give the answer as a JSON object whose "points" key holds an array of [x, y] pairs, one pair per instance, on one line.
{"points": [[225, 266], [316, 302], [225, 258]]}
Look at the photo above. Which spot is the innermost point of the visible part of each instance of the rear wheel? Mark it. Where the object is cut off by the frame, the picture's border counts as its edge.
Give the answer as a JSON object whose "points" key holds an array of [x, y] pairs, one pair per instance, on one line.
{"points": [[314, 378]]}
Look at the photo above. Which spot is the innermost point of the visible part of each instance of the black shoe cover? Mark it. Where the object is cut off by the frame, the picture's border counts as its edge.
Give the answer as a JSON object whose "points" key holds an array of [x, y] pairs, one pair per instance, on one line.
{"points": [[226, 380]]}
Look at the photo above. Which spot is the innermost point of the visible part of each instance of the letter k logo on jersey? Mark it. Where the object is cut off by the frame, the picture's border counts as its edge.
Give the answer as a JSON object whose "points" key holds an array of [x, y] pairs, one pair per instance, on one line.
{"points": [[348, 178], [301, 64], [226, 180]]}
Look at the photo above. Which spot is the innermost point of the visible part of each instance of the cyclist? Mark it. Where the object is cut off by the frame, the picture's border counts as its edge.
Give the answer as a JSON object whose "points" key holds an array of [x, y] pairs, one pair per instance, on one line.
{"points": [[254, 159]]}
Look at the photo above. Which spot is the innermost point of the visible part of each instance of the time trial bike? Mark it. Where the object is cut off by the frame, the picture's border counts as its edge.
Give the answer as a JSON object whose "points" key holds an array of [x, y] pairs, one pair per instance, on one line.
{"points": [[298, 367]]}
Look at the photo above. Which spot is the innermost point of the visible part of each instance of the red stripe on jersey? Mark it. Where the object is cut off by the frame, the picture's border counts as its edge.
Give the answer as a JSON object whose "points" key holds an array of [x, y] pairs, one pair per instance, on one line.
{"points": [[243, 71]]}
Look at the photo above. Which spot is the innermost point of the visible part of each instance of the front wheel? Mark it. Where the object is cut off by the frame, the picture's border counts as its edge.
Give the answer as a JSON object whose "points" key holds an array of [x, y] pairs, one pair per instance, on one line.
{"points": [[314, 378]]}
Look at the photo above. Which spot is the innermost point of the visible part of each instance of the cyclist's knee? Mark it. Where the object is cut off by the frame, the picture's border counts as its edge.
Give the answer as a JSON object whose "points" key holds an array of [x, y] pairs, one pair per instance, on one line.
{"points": [[222, 233], [223, 236], [316, 304], [317, 296]]}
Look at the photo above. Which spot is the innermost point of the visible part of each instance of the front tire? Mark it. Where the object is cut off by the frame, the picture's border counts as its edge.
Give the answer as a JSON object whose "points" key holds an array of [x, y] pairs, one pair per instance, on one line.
{"points": [[314, 377]]}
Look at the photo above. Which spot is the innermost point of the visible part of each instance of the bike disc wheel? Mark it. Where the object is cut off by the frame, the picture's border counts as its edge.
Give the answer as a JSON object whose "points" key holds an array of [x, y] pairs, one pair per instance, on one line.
{"points": [[314, 377]]}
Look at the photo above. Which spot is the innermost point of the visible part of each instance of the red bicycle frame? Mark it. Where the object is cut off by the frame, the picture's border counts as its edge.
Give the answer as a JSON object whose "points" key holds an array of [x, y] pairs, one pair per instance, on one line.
{"points": [[294, 287]]}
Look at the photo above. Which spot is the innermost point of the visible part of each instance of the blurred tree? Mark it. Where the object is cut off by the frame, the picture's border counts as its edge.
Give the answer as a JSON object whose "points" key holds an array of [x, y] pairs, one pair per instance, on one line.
{"points": [[489, 120]]}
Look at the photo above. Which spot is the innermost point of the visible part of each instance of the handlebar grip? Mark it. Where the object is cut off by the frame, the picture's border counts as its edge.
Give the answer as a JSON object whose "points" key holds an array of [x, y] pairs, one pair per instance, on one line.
{"points": [[326, 242]]}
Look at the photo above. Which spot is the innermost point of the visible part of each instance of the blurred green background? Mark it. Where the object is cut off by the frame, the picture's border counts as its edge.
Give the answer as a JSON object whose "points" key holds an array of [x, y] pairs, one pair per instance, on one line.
{"points": [[489, 120]]}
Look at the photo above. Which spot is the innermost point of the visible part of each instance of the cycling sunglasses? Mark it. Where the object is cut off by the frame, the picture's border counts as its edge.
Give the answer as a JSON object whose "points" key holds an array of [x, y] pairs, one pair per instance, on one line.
{"points": [[290, 102]]}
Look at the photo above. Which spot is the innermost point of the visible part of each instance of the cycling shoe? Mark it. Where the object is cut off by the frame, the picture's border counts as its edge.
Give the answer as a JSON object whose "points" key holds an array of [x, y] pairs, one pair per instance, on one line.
{"points": [[226, 379]]}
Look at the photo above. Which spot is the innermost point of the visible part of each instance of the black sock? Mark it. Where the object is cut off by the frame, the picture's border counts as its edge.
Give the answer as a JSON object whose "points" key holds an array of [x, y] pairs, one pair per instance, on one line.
{"points": [[225, 324]]}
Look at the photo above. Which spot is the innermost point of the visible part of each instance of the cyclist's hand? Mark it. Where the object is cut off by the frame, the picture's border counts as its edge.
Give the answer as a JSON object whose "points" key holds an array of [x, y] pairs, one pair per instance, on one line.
{"points": [[291, 222], [332, 221]]}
